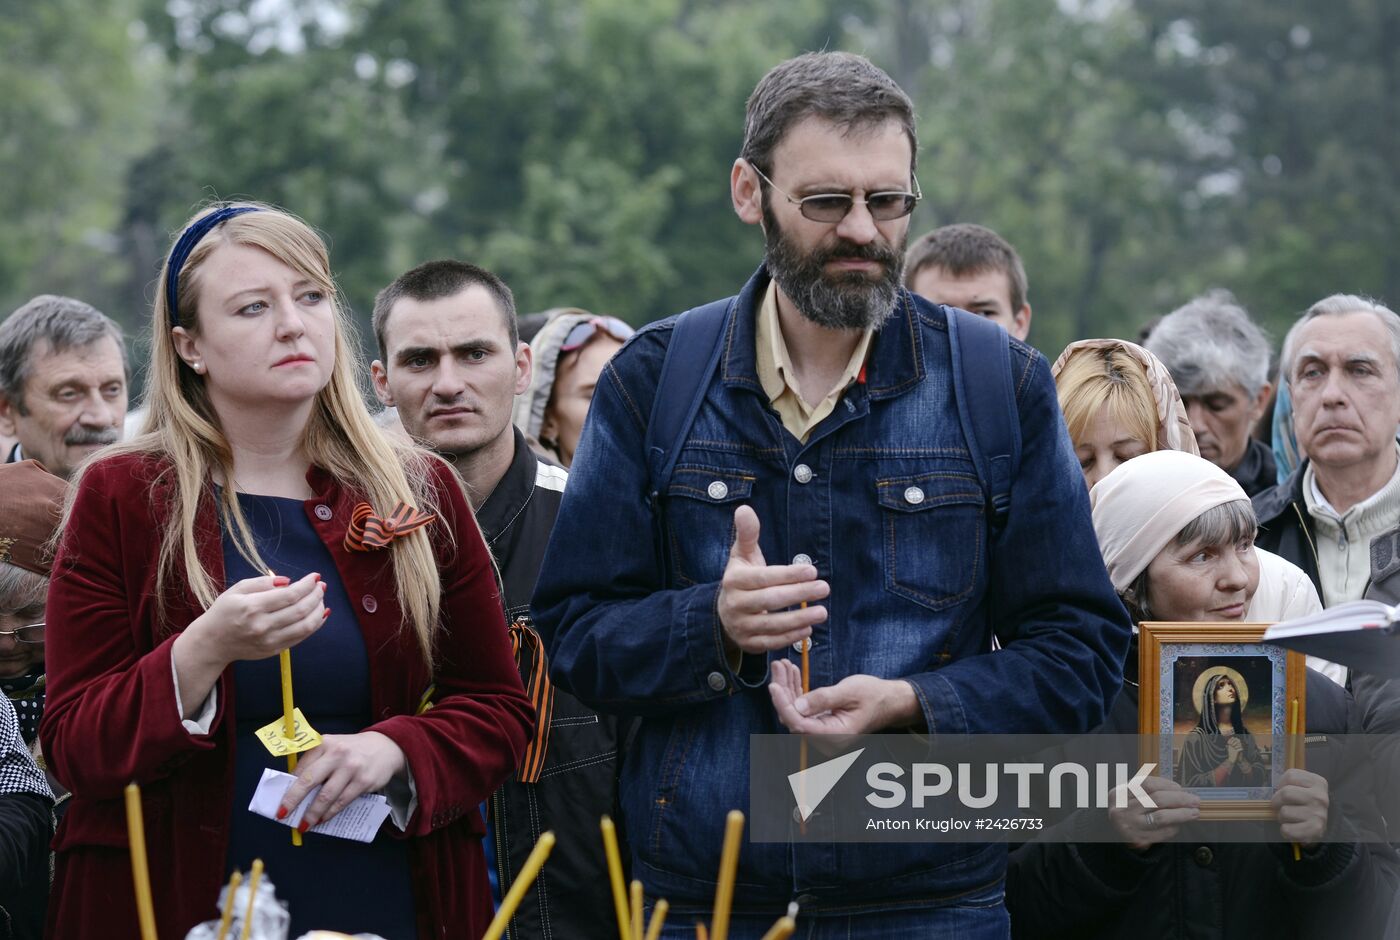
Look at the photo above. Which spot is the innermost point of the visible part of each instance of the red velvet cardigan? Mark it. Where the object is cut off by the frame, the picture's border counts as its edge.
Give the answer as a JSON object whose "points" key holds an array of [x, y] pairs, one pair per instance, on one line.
{"points": [[111, 718]]}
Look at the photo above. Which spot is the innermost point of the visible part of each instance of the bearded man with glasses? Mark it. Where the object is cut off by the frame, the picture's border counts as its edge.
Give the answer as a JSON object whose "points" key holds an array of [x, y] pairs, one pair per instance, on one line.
{"points": [[824, 498]]}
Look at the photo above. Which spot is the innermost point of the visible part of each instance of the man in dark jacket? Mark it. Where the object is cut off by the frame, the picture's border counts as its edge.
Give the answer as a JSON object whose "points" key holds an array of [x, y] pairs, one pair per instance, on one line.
{"points": [[451, 362], [1219, 360], [1341, 361]]}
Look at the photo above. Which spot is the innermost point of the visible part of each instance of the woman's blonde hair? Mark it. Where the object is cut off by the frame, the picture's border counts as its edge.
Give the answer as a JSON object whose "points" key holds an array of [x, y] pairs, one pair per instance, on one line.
{"points": [[1097, 378], [340, 436]]}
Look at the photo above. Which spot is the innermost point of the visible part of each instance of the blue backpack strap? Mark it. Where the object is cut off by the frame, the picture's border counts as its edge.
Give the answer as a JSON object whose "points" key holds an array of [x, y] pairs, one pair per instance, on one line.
{"points": [[987, 405], [691, 359]]}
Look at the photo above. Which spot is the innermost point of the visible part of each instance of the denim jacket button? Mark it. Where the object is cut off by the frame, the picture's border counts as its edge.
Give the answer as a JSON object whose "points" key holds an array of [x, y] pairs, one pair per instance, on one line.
{"points": [[805, 642], [801, 558], [718, 490], [323, 512], [717, 681], [802, 473], [913, 496]]}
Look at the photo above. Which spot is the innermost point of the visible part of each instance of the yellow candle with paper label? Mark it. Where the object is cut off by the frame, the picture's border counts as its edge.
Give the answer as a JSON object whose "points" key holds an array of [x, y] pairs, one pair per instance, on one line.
{"points": [[289, 726]]}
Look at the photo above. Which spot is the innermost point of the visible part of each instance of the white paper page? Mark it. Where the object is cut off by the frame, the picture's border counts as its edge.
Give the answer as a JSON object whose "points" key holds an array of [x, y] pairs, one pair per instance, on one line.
{"points": [[359, 821]]}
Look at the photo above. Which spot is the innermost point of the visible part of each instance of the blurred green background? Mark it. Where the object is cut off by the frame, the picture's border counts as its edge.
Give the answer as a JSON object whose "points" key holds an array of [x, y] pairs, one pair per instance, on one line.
{"points": [[1135, 151]]}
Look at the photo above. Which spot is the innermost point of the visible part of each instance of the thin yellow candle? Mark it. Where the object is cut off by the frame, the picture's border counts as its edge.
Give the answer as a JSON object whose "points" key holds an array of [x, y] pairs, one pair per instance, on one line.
{"points": [[522, 884], [806, 661], [728, 867], [289, 724], [619, 893], [700, 932], [782, 928], [254, 877], [636, 910], [1293, 760], [227, 917], [140, 872], [658, 917]]}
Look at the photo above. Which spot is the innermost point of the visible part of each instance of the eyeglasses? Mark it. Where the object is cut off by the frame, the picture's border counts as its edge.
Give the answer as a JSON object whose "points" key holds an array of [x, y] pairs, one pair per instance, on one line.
{"points": [[32, 633], [832, 207], [585, 331]]}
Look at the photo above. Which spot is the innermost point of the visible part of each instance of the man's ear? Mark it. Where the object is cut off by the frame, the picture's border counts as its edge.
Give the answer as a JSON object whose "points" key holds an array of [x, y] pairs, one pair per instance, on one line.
{"points": [[379, 378], [1022, 322], [8, 426], [746, 192], [524, 367], [1261, 401]]}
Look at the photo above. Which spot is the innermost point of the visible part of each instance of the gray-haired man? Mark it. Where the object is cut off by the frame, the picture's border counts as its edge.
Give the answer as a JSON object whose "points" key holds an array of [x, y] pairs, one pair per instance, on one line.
{"points": [[62, 382], [1342, 364], [1219, 360]]}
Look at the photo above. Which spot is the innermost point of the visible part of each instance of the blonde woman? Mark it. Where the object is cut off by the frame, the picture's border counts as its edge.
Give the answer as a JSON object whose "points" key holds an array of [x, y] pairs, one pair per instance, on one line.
{"points": [[1119, 402], [261, 509]]}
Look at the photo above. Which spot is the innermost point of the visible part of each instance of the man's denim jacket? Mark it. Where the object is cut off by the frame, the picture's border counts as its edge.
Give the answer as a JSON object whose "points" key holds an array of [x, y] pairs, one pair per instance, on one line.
{"points": [[886, 502]]}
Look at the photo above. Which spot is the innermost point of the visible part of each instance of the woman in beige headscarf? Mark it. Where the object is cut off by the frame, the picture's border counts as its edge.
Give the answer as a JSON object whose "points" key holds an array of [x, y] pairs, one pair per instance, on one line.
{"points": [[1177, 536], [1119, 402]]}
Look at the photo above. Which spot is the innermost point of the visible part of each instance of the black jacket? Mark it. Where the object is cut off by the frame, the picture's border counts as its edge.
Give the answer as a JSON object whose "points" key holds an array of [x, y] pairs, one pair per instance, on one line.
{"points": [[1285, 528], [1214, 890], [1257, 471], [578, 779], [26, 826]]}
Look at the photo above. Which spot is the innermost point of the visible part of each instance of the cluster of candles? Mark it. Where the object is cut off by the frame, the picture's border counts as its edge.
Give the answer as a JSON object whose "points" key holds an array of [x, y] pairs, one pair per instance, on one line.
{"points": [[629, 911]]}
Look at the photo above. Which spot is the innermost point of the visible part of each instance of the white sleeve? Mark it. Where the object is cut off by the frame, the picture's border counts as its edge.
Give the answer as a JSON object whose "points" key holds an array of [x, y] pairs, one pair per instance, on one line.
{"points": [[200, 723]]}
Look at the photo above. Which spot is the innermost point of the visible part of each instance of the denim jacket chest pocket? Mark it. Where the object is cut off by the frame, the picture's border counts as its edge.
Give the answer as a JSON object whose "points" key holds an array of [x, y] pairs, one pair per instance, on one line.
{"points": [[934, 534], [700, 504]]}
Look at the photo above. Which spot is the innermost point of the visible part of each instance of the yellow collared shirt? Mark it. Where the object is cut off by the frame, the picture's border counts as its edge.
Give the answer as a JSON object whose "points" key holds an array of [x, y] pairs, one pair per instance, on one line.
{"points": [[778, 378]]}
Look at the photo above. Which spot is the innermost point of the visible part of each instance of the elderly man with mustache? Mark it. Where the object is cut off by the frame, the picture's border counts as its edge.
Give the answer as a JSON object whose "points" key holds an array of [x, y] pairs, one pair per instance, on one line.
{"points": [[62, 382]]}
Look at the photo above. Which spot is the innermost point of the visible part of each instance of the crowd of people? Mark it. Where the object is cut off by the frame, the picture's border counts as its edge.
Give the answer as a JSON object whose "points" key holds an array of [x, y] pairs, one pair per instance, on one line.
{"points": [[561, 570]]}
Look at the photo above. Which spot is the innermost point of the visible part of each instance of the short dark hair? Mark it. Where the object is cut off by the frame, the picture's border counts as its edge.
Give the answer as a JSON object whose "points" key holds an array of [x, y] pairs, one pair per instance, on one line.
{"points": [[966, 249], [62, 322], [839, 87], [434, 280]]}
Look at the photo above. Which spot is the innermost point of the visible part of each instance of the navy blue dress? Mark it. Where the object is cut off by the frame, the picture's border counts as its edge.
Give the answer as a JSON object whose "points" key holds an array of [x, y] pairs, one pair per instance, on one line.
{"points": [[328, 883]]}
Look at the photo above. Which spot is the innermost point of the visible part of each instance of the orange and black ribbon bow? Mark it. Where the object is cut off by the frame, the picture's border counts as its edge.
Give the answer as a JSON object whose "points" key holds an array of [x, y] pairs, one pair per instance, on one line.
{"points": [[369, 532], [541, 692]]}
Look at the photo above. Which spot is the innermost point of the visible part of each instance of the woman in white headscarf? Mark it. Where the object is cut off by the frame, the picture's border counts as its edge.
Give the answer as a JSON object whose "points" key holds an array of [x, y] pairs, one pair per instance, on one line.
{"points": [[1177, 536]]}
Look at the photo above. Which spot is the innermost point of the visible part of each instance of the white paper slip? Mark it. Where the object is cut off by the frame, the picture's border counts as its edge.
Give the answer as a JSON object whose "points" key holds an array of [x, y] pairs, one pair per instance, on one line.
{"points": [[359, 821]]}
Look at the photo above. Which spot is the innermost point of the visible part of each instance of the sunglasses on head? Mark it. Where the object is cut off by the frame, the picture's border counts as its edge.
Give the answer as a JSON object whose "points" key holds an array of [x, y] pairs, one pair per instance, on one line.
{"points": [[580, 335]]}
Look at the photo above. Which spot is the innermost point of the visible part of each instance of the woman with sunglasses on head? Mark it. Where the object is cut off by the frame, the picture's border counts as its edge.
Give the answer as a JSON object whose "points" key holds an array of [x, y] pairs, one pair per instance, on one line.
{"points": [[1177, 537], [261, 509], [570, 352]]}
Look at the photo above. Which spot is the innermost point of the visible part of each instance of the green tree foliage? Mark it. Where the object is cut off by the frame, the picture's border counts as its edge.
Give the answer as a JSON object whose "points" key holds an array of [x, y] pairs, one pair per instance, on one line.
{"points": [[1135, 151], [77, 108]]}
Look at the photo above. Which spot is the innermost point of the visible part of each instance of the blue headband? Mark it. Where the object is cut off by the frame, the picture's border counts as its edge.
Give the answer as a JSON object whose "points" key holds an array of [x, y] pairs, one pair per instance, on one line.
{"points": [[181, 253]]}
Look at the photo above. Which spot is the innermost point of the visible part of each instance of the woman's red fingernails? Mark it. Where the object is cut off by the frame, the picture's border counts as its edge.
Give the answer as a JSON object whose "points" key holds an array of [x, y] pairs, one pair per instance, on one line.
{"points": [[280, 581], [281, 812], [323, 587], [304, 825], [326, 614], [316, 577]]}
